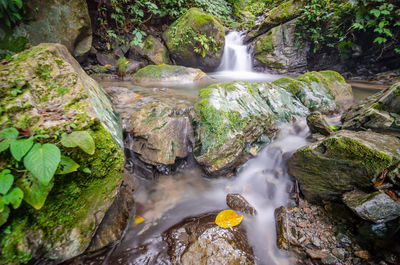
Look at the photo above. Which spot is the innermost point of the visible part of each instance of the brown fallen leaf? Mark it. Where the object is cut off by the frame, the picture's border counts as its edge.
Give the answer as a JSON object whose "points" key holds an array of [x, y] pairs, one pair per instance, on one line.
{"points": [[392, 195], [379, 183]]}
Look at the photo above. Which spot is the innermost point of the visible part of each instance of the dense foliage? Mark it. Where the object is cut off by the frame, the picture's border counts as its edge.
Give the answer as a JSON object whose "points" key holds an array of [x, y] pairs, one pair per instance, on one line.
{"points": [[10, 12], [29, 174], [338, 24], [123, 20]]}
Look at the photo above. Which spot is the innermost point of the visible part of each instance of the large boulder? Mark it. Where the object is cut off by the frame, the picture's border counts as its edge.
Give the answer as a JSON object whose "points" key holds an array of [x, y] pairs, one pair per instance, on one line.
{"points": [[379, 112], [185, 38], [65, 22], [276, 50], [325, 91], [43, 90], [281, 14], [234, 117], [346, 160], [157, 121], [153, 75]]}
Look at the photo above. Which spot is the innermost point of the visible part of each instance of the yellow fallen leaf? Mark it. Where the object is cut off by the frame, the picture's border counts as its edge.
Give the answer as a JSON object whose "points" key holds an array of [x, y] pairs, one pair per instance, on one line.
{"points": [[126, 62], [228, 218], [108, 46], [107, 65], [138, 219], [137, 96]]}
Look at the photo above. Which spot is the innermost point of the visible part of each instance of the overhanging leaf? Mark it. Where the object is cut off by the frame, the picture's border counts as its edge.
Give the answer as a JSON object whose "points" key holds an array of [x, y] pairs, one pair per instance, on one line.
{"points": [[4, 215], [66, 166], [6, 181], [42, 161], [228, 218], [8, 135], [19, 148], [35, 193], [14, 197], [79, 138]]}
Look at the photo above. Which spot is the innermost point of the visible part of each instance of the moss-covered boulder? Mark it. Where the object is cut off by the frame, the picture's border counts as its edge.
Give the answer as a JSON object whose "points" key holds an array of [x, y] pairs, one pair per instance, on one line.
{"points": [[325, 91], [318, 124], [276, 50], [66, 22], [344, 161], [196, 40], [282, 13], [379, 112], [43, 90], [235, 117], [153, 50], [161, 74]]}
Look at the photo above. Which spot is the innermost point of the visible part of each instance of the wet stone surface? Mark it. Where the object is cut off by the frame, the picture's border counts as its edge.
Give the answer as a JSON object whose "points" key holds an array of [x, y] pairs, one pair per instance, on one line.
{"points": [[238, 203]]}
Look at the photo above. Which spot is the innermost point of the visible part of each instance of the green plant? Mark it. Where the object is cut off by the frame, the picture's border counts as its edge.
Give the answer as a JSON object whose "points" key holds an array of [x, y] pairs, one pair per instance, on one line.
{"points": [[29, 174], [337, 24], [10, 11], [203, 44]]}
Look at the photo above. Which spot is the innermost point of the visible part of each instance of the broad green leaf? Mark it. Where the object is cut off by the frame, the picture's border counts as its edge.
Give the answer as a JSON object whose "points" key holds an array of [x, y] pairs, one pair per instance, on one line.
{"points": [[35, 193], [66, 166], [6, 181], [86, 170], [8, 135], [14, 197], [19, 148], [79, 138], [1, 204], [4, 215], [42, 161]]}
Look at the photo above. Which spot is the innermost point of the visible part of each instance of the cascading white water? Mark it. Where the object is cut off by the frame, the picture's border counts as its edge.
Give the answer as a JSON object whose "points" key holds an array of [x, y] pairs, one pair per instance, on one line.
{"points": [[236, 62], [236, 56]]}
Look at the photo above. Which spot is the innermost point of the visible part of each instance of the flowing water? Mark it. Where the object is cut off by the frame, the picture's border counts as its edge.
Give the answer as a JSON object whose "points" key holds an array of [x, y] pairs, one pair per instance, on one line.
{"points": [[263, 181]]}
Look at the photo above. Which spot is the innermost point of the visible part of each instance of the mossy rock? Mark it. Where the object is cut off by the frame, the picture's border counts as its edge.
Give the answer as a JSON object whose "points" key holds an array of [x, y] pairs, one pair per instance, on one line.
{"points": [[45, 91], [159, 74], [58, 21], [379, 112], [325, 91], [12, 42], [276, 50], [281, 14], [183, 37], [346, 160], [154, 50], [234, 117]]}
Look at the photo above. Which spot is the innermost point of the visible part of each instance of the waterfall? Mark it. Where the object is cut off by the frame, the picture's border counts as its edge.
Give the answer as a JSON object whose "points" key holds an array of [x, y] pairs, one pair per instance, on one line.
{"points": [[236, 56]]}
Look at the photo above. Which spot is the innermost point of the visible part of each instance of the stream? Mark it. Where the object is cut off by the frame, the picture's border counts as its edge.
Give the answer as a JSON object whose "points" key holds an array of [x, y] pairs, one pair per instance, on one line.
{"points": [[263, 181]]}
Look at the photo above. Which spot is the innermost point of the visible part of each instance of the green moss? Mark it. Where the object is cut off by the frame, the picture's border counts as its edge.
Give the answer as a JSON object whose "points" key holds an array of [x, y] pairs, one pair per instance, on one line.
{"points": [[332, 76], [268, 62], [148, 44], [265, 43], [11, 245], [346, 148], [289, 84], [121, 65]]}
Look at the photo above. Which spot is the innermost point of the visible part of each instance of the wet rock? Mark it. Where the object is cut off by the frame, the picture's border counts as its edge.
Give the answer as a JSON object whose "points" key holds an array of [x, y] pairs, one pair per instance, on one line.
{"points": [[308, 233], [363, 254], [48, 24], [199, 240], [157, 121], [153, 50], [284, 12], [344, 161], [325, 91], [379, 112], [133, 66], [231, 117], [55, 92], [276, 50], [318, 124], [376, 207], [238, 203], [161, 74], [117, 217], [180, 41]]}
